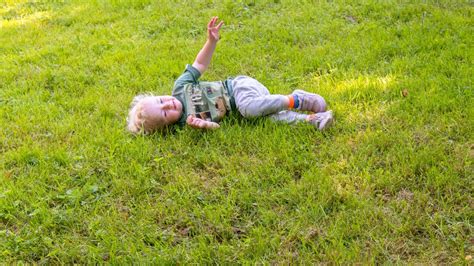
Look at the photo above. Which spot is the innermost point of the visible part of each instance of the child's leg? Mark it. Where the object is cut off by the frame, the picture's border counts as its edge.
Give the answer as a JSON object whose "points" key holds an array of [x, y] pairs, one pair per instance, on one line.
{"points": [[253, 99], [289, 117], [320, 120]]}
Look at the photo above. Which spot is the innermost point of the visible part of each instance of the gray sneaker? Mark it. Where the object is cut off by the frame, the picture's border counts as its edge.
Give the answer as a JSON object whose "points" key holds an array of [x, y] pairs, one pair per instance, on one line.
{"points": [[322, 120], [310, 101]]}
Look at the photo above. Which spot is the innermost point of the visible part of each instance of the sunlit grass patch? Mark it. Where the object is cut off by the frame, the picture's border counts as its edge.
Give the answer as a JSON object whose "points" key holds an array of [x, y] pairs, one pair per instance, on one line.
{"points": [[24, 20], [23, 14]]}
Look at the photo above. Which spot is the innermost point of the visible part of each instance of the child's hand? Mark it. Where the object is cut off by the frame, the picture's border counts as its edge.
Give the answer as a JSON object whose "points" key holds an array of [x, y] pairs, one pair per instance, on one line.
{"points": [[213, 30], [195, 122]]}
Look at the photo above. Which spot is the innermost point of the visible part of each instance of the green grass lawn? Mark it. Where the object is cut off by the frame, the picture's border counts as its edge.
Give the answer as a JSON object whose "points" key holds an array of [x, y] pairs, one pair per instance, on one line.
{"points": [[392, 181]]}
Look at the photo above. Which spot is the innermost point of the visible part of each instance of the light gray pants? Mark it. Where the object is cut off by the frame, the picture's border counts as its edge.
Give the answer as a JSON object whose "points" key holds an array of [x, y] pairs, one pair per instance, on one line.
{"points": [[254, 100]]}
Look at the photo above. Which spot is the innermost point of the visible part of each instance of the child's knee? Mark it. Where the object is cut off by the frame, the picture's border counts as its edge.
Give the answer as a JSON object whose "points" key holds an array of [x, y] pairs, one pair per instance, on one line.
{"points": [[249, 113], [249, 110]]}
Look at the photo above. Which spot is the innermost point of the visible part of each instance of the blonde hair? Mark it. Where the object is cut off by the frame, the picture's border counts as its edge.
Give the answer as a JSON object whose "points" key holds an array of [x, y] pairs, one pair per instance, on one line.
{"points": [[137, 117]]}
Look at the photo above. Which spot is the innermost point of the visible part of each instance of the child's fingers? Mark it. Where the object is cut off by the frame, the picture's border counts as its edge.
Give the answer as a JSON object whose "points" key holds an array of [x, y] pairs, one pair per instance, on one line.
{"points": [[210, 23], [212, 125], [195, 122], [190, 120], [220, 25]]}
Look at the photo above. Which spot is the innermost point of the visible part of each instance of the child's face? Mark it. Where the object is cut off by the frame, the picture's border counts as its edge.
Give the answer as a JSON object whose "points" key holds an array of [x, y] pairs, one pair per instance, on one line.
{"points": [[165, 110]]}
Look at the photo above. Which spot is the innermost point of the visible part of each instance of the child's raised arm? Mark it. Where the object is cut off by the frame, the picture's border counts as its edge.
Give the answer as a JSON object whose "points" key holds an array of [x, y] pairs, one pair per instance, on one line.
{"points": [[203, 59]]}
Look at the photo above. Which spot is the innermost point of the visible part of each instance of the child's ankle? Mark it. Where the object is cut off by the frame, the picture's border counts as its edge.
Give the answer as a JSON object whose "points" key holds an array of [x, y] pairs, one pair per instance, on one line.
{"points": [[293, 101]]}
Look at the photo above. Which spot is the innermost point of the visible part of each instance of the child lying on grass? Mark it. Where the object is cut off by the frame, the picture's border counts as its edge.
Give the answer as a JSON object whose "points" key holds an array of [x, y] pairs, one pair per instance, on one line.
{"points": [[203, 104]]}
